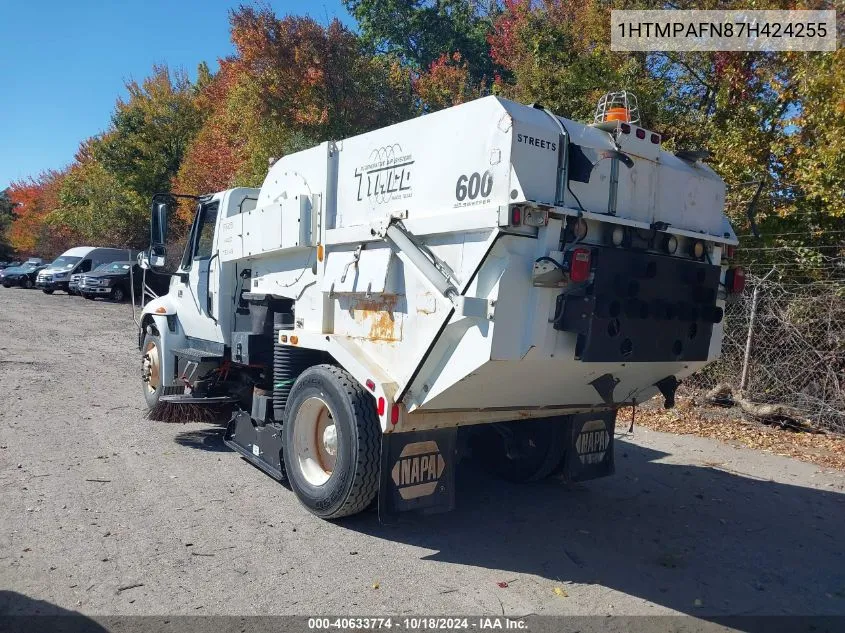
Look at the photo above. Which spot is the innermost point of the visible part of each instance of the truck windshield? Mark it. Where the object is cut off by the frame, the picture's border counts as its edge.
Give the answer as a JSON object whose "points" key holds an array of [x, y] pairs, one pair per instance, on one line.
{"points": [[65, 263]]}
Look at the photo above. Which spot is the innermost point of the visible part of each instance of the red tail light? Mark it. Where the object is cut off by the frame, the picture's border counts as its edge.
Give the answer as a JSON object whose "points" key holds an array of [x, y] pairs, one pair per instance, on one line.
{"points": [[579, 266], [394, 414], [735, 280], [640, 133], [516, 216], [381, 406]]}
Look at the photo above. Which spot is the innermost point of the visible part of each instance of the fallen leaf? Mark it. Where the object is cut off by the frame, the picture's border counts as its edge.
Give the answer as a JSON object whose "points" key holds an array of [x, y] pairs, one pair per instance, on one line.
{"points": [[560, 591], [502, 585], [375, 585]]}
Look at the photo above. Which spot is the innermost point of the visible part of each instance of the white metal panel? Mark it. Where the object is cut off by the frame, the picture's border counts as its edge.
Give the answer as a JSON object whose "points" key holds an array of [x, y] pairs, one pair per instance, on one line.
{"points": [[231, 244], [369, 275]]}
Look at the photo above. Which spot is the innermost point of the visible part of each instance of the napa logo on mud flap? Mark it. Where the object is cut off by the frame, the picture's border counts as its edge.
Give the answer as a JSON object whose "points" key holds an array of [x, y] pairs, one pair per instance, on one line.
{"points": [[418, 469], [592, 442]]}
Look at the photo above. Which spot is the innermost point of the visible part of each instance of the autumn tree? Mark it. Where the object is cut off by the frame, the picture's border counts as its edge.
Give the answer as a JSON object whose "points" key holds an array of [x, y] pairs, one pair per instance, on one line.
{"points": [[291, 85], [420, 32], [96, 207], [35, 199], [7, 214], [150, 132]]}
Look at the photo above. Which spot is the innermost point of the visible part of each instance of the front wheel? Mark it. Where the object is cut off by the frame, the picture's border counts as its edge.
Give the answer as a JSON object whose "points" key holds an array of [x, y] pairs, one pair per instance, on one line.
{"points": [[118, 294], [331, 448], [47, 291], [522, 451], [27, 283], [151, 357]]}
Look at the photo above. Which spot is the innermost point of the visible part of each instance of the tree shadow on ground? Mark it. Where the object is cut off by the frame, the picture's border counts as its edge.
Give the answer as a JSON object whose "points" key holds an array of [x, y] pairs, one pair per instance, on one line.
{"points": [[698, 540]]}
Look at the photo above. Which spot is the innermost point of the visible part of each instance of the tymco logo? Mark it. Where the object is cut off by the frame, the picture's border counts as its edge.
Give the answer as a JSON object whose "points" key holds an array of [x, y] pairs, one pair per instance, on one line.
{"points": [[387, 175], [418, 469], [592, 442]]}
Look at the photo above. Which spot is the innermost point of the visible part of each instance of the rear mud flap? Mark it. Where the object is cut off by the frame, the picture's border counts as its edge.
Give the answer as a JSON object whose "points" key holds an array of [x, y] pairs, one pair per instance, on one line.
{"points": [[417, 472], [590, 451]]}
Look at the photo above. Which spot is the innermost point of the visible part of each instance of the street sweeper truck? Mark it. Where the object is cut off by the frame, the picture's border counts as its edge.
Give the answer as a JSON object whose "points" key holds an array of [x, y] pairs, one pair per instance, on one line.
{"points": [[489, 280]]}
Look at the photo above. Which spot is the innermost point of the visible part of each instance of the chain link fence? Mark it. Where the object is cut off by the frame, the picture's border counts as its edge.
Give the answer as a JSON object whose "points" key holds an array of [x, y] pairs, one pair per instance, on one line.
{"points": [[785, 344]]}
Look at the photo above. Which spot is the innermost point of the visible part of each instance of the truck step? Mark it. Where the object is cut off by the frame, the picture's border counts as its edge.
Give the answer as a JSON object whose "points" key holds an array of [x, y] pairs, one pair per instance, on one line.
{"points": [[197, 355]]}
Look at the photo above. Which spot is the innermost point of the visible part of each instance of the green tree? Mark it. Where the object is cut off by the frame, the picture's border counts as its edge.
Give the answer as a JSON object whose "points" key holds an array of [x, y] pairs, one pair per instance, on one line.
{"points": [[150, 132], [96, 207], [419, 32]]}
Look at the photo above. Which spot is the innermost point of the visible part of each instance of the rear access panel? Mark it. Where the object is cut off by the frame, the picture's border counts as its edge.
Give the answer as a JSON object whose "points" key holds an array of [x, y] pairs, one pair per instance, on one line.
{"points": [[643, 307]]}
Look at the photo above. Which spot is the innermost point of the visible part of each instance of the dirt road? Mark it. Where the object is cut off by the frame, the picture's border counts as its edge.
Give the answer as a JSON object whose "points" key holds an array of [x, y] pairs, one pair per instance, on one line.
{"points": [[104, 512]]}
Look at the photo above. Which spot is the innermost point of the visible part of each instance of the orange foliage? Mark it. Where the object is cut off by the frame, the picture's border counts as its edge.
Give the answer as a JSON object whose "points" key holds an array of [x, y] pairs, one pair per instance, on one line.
{"points": [[36, 198], [447, 83], [216, 153]]}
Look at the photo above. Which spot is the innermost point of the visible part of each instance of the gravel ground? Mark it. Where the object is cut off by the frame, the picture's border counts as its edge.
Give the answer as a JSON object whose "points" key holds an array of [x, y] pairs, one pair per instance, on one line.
{"points": [[97, 499]]}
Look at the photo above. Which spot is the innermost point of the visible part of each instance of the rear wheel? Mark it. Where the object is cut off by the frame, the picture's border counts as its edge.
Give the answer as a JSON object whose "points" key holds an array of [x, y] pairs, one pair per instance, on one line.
{"points": [[522, 451], [151, 369], [90, 297], [118, 294], [331, 447], [47, 291], [27, 283]]}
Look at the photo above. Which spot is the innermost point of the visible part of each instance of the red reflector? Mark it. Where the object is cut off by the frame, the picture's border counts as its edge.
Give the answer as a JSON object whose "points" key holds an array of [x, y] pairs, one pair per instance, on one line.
{"points": [[730, 251], [394, 414], [381, 406], [579, 267], [640, 133], [370, 384], [516, 216], [736, 280], [626, 129], [655, 138]]}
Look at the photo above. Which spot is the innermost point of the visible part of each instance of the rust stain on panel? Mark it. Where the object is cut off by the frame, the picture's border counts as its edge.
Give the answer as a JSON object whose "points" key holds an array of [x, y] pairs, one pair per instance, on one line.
{"points": [[380, 316]]}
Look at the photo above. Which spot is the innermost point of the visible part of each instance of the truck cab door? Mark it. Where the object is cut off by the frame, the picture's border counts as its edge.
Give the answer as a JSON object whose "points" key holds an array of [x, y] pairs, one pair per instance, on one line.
{"points": [[195, 286]]}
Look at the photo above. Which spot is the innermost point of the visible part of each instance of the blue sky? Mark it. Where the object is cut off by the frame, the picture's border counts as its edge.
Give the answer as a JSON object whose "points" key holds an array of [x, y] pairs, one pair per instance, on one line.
{"points": [[63, 64]]}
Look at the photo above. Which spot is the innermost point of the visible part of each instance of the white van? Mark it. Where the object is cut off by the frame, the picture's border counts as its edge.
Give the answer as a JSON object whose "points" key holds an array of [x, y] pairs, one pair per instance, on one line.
{"points": [[80, 259]]}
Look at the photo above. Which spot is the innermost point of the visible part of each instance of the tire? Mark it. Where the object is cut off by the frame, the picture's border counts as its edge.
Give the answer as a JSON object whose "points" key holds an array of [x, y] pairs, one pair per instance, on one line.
{"points": [[90, 297], [47, 291], [27, 283], [153, 387], [7, 285], [522, 451], [118, 294], [349, 483]]}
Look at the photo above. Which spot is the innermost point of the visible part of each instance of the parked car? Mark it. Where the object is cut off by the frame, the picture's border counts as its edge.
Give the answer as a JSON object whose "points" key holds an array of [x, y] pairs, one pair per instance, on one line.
{"points": [[73, 284], [23, 276], [111, 281], [81, 259], [13, 264]]}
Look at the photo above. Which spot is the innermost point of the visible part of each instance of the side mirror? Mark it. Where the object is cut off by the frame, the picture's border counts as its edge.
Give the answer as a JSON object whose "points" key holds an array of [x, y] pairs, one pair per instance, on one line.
{"points": [[159, 214], [158, 223]]}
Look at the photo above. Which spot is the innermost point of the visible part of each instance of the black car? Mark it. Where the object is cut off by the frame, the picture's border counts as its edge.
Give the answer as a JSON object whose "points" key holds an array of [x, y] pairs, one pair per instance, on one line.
{"points": [[23, 276], [110, 280]]}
